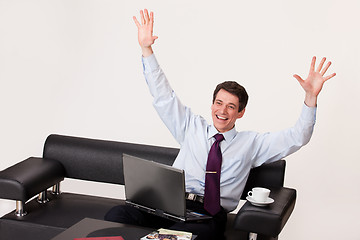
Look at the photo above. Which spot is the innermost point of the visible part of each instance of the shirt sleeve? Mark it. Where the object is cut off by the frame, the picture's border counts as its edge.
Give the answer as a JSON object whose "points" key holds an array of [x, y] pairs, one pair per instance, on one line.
{"points": [[173, 113], [269, 147]]}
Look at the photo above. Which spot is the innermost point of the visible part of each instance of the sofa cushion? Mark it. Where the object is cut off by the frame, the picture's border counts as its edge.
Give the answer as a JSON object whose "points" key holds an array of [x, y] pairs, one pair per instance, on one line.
{"points": [[65, 210]]}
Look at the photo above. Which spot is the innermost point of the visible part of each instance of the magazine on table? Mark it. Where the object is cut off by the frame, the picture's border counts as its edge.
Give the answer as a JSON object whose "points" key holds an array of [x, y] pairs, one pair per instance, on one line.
{"points": [[166, 234]]}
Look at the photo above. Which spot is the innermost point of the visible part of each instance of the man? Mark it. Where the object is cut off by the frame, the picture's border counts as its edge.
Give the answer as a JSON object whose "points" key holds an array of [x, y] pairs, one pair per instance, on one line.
{"points": [[217, 191]]}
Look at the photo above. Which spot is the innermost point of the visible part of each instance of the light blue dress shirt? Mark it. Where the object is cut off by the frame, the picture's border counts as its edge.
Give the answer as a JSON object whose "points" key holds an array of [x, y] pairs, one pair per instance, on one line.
{"points": [[241, 151]]}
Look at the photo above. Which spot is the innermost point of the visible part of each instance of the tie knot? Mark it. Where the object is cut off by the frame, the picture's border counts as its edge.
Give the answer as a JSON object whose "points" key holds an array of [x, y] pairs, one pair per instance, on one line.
{"points": [[219, 137]]}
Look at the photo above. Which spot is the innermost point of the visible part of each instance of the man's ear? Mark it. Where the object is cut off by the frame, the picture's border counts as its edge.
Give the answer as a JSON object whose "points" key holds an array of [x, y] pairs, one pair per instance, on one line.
{"points": [[241, 113]]}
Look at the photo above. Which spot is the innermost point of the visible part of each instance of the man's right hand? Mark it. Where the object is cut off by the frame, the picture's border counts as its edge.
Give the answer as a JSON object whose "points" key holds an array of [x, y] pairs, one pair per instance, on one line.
{"points": [[145, 32]]}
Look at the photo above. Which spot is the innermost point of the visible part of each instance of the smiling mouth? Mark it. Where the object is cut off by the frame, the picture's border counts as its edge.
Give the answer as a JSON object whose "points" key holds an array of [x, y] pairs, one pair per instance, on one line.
{"points": [[221, 118]]}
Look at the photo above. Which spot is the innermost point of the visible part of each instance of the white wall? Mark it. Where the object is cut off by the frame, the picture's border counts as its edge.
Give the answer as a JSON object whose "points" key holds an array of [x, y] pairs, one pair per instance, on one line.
{"points": [[73, 67]]}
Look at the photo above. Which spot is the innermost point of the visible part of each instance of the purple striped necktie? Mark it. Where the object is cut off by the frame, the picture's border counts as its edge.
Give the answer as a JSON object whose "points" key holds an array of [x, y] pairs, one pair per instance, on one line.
{"points": [[212, 177]]}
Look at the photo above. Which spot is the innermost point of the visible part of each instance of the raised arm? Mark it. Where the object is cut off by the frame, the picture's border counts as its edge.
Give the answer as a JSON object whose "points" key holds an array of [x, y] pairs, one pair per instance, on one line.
{"points": [[145, 32], [315, 81]]}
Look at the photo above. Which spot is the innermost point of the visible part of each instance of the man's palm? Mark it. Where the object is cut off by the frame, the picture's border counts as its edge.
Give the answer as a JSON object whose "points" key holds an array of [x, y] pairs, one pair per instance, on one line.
{"points": [[145, 29]]}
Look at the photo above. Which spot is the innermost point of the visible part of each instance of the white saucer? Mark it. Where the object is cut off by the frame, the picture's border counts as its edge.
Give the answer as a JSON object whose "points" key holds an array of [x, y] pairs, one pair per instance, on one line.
{"points": [[260, 204]]}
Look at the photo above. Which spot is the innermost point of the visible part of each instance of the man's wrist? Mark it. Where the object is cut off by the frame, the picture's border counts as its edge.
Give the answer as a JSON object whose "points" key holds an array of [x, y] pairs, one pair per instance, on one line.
{"points": [[310, 100], [147, 51]]}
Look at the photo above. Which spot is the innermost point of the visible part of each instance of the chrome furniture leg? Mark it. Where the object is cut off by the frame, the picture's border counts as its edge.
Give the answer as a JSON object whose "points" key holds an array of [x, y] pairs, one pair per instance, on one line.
{"points": [[42, 198], [56, 189], [20, 209], [252, 236]]}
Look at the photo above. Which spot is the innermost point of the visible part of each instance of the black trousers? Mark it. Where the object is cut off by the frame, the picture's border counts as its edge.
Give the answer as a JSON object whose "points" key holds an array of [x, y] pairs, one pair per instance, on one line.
{"points": [[205, 230]]}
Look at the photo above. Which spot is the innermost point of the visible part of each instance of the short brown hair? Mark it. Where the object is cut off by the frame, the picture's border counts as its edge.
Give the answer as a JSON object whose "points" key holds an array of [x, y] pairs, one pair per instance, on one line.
{"points": [[235, 89]]}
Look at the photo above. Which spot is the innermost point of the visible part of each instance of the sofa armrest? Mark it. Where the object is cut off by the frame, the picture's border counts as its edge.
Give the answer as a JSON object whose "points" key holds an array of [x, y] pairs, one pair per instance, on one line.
{"points": [[25, 179], [268, 220]]}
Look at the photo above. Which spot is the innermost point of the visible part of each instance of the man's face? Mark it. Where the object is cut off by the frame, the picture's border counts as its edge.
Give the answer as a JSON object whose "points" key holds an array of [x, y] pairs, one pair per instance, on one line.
{"points": [[225, 111]]}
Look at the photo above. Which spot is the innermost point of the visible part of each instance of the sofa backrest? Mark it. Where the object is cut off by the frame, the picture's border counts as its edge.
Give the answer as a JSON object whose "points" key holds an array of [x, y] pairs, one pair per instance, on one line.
{"points": [[100, 160]]}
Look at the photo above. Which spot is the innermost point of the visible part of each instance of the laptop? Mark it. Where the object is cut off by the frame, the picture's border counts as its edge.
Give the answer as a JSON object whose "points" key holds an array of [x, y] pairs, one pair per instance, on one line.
{"points": [[157, 188]]}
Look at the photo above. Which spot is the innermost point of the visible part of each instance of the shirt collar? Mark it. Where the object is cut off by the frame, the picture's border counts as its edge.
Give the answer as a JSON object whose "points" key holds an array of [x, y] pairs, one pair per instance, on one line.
{"points": [[228, 136]]}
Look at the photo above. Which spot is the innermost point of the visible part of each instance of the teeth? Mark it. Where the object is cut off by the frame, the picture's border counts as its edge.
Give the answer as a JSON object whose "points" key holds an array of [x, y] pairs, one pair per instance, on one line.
{"points": [[222, 118]]}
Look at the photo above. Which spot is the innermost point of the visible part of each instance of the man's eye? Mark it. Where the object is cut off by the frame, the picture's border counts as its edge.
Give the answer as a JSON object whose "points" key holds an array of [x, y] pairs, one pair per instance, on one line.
{"points": [[232, 107]]}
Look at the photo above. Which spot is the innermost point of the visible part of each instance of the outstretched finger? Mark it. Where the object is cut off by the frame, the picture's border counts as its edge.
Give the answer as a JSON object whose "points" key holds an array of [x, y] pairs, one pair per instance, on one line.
{"points": [[142, 17], [136, 21], [312, 66], [321, 64], [147, 19], [326, 68], [300, 80], [330, 76], [151, 17]]}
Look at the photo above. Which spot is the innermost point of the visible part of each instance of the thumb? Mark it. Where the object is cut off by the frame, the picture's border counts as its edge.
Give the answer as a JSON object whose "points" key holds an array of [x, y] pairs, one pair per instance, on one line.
{"points": [[300, 80]]}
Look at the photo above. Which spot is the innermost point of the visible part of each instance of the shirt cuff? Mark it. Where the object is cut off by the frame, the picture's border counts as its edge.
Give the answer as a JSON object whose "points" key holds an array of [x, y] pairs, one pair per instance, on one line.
{"points": [[150, 63], [309, 113]]}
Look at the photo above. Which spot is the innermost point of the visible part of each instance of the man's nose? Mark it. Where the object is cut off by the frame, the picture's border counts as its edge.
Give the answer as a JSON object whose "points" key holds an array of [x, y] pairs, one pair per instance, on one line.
{"points": [[223, 109]]}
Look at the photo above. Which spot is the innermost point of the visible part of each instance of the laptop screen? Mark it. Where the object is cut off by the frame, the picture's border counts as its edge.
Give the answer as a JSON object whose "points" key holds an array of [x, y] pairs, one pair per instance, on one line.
{"points": [[154, 185]]}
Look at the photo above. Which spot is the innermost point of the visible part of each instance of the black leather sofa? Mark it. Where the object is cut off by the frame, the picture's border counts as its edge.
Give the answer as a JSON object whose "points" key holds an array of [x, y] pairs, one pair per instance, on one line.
{"points": [[34, 186]]}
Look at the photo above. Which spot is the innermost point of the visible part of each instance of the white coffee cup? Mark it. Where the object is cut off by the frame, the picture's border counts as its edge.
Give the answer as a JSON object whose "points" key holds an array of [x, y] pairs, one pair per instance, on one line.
{"points": [[259, 194]]}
